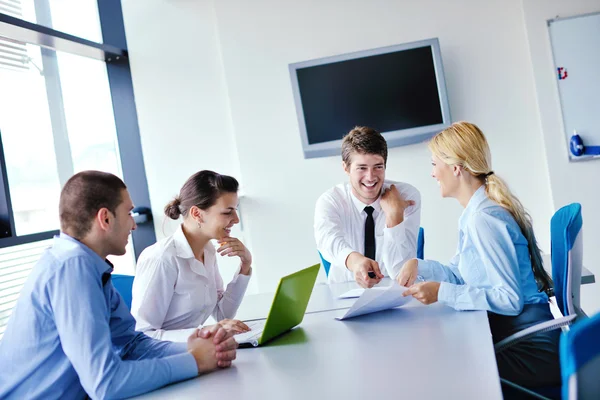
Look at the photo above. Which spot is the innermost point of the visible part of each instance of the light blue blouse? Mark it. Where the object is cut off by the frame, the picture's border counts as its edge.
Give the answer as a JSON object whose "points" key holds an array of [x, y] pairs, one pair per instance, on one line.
{"points": [[492, 268]]}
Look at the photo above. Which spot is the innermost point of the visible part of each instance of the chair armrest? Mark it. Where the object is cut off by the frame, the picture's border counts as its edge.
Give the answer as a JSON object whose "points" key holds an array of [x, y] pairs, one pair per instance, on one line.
{"points": [[531, 393], [532, 330]]}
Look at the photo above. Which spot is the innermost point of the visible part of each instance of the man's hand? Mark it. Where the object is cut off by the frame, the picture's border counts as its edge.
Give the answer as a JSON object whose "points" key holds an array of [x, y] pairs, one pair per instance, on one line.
{"points": [[425, 292], [393, 206], [361, 266], [408, 273], [210, 354]]}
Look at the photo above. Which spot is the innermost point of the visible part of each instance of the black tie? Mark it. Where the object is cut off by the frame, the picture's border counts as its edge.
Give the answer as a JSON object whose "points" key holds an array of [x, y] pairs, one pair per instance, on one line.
{"points": [[370, 233]]}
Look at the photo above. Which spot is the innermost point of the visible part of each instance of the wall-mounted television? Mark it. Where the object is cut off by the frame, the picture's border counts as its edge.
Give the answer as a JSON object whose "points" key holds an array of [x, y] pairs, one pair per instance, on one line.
{"points": [[399, 90]]}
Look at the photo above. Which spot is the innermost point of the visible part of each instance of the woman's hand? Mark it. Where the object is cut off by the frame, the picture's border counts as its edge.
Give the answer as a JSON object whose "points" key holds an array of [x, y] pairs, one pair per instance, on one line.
{"points": [[233, 326], [408, 273], [231, 247], [425, 292]]}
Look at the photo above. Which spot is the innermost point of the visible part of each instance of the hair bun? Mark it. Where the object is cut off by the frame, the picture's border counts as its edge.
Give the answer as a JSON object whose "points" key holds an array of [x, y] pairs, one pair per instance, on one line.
{"points": [[172, 209]]}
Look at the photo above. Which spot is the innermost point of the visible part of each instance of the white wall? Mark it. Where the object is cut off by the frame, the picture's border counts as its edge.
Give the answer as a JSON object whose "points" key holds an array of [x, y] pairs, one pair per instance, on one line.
{"points": [[227, 84], [181, 99], [570, 182], [489, 80]]}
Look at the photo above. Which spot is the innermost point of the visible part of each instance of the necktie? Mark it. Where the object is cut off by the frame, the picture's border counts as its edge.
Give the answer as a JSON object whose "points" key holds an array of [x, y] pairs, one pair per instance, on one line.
{"points": [[370, 233]]}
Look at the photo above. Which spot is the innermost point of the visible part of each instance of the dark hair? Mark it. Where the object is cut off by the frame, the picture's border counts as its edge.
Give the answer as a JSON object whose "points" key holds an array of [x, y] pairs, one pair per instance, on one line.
{"points": [[202, 190], [83, 196], [363, 140]]}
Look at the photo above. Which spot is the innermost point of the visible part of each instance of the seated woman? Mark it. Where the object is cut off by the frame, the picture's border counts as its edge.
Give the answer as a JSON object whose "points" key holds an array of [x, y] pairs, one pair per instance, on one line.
{"points": [[177, 285], [498, 266]]}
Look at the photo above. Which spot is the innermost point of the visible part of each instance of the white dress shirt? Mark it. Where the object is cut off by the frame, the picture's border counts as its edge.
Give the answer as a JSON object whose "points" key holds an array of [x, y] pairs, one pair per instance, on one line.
{"points": [[340, 230], [174, 293]]}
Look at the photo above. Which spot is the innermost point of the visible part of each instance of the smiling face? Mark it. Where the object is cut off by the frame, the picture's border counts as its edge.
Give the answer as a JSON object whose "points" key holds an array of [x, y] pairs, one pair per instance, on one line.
{"points": [[218, 219], [118, 235], [445, 175], [367, 174]]}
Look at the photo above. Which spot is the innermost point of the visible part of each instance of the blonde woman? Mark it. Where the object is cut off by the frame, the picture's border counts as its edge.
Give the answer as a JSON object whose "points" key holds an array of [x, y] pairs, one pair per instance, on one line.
{"points": [[177, 285], [498, 266]]}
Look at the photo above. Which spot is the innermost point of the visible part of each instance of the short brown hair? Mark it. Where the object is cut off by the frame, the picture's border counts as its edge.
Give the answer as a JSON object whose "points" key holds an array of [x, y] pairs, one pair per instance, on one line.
{"points": [[84, 194], [363, 140]]}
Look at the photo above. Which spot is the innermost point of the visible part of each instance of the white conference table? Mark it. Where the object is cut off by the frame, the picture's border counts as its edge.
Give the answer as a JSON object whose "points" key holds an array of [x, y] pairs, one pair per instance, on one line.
{"points": [[415, 351]]}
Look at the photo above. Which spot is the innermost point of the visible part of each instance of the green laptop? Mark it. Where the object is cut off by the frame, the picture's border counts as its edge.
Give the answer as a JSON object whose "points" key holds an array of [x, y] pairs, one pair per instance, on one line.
{"points": [[287, 309]]}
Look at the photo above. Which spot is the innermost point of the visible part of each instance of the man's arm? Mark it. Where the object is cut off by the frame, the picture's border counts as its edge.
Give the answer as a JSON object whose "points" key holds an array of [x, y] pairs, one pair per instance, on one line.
{"points": [[329, 232], [403, 219], [80, 312], [136, 345]]}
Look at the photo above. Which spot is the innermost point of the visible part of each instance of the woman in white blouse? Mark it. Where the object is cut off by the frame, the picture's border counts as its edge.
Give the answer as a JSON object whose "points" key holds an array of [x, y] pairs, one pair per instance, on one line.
{"points": [[177, 285]]}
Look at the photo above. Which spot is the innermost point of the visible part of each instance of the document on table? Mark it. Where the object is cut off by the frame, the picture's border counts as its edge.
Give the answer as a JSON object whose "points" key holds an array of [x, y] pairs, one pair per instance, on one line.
{"points": [[377, 299], [351, 294]]}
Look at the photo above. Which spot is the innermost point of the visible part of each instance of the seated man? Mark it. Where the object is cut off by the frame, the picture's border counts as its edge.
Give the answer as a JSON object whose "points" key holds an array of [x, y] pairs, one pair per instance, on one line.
{"points": [[367, 228], [71, 334]]}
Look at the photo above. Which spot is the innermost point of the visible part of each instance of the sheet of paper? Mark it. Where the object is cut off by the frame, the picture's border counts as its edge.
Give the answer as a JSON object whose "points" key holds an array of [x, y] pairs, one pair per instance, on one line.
{"points": [[377, 299], [350, 294]]}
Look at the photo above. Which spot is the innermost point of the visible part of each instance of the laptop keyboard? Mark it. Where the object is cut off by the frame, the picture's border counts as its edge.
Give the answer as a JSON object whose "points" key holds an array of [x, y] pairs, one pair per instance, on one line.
{"points": [[256, 330]]}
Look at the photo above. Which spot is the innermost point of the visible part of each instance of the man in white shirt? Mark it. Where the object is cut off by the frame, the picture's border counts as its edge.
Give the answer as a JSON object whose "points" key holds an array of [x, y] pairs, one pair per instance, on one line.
{"points": [[368, 227]]}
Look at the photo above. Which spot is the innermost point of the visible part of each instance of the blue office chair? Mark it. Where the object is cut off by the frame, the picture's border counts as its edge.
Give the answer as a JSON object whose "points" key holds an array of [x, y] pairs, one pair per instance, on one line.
{"points": [[326, 264], [567, 263], [567, 258], [123, 284], [420, 251], [421, 244], [580, 360]]}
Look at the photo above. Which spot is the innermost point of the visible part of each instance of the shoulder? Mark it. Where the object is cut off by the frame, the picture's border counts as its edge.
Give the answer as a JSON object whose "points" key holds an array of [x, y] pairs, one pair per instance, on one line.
{"points": [[336, 196], [162, 253], [71, 260], [59, 271], [406, 189], [491, 219]]}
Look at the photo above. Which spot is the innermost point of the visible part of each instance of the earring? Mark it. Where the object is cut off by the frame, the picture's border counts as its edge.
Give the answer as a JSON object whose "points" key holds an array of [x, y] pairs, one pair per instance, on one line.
{"points": [[199, 226]]}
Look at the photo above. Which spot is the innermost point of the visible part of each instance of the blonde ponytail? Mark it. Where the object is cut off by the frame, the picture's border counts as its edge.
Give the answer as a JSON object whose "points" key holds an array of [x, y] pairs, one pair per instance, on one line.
{"points": [[464, 144], [498, 191]]}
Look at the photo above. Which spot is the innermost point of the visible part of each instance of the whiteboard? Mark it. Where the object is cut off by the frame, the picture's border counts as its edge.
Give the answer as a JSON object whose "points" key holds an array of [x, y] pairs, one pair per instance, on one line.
{"points": [[576, 52]]}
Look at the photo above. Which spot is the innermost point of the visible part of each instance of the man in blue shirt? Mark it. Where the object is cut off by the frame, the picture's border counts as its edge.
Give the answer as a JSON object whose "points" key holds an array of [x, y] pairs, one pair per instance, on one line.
{"points": [[71, 334]]}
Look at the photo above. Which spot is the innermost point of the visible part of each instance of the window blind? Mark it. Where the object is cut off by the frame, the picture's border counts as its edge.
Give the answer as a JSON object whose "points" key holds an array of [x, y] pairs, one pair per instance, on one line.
{"points": [[16, 263]]}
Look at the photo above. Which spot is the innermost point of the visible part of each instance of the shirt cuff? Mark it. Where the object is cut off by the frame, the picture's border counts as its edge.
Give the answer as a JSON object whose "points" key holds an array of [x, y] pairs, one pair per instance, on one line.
{"points": [[183, 366], [447, 294], [343, 256], [425, 270]]}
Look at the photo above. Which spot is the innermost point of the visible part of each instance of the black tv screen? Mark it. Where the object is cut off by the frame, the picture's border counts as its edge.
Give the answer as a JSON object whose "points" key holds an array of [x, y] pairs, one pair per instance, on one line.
{"points": [[398, 90]]}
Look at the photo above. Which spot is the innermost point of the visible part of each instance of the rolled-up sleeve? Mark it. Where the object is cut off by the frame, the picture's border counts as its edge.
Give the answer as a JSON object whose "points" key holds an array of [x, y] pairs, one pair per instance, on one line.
{"points": [[400, 241]]}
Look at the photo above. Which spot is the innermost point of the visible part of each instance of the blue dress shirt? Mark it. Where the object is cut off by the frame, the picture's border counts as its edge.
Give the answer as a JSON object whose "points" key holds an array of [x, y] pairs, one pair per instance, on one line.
{"points": [[492, 268], [70, 333]]}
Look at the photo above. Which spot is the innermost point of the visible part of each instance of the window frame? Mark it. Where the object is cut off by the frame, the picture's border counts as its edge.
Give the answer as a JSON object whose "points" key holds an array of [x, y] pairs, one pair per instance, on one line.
{"points": [[114, 53]]}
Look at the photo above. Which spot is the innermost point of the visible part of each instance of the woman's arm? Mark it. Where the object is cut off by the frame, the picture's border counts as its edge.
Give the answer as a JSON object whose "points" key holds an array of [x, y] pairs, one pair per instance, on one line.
{"points": [[493, 280]]}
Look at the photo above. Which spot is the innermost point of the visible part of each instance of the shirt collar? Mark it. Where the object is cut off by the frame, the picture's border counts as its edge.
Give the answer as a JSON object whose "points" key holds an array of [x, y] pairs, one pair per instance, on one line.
{"points": [[64, 241], [360, 206], [182, 246], [478, 197]]}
